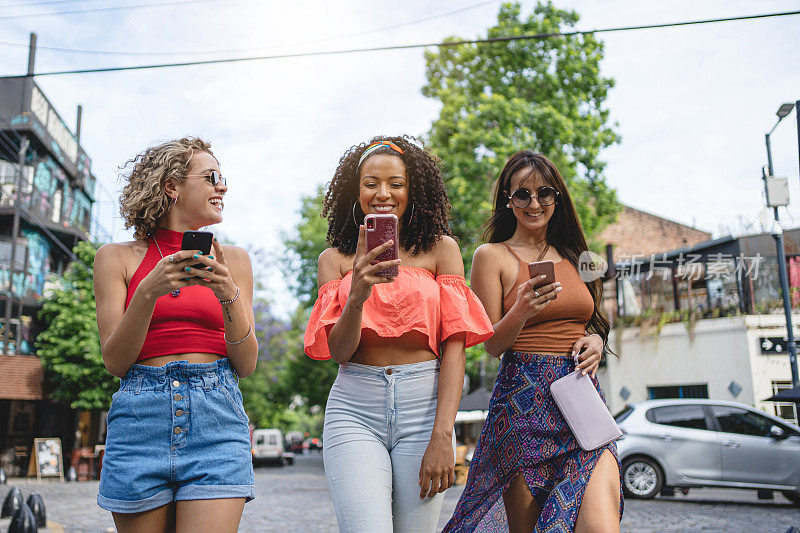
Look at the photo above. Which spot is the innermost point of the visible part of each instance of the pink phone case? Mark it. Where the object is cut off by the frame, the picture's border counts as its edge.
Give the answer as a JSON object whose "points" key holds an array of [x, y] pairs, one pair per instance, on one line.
{"points": [[379, 229]]}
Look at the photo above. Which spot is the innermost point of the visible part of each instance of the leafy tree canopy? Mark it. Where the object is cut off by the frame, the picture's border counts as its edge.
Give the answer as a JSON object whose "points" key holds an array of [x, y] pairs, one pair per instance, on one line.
{"points": [[69, 347], [498, 98]]}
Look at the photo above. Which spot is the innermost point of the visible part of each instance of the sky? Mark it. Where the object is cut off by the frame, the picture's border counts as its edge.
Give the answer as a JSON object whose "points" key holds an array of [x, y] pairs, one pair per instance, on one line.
{"points": [[691, 104]]}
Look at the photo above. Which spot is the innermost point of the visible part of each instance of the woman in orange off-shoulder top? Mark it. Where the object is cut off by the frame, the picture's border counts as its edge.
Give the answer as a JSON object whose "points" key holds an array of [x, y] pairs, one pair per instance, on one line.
{"points": [[388, 442]]}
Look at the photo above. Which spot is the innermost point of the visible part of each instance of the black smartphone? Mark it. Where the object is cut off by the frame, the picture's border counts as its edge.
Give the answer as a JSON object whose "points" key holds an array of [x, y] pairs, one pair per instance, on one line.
{"points": [[197, 240]]}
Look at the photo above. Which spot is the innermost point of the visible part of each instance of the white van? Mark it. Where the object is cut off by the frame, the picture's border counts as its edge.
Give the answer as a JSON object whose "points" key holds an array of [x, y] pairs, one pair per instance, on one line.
{"points": [[267, 446]]}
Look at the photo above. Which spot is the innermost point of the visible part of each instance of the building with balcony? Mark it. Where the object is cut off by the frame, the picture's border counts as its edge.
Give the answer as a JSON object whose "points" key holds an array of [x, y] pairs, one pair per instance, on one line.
{"points": [[46, 199]]}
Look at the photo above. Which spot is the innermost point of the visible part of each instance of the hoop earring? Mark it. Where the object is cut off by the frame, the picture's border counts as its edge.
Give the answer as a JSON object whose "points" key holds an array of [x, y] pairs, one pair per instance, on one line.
{"points": [[354, 215], [174, 201]]}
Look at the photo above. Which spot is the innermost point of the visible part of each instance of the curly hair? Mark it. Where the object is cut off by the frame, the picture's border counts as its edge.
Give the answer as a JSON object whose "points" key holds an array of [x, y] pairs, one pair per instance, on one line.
{"points": [[144, 200], [422, 226]]}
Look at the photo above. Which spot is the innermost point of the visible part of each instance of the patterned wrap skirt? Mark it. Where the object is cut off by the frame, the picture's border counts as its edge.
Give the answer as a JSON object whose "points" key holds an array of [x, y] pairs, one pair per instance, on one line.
{"points": [[526, 433]]}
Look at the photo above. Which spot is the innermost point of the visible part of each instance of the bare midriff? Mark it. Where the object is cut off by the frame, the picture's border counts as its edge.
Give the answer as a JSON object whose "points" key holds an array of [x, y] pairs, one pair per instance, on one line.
{"points": [[162, 360], [375, 350]]}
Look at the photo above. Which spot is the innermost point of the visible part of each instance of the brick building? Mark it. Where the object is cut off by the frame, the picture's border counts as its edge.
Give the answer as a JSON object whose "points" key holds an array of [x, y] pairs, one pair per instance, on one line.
{"points": [[639, 233]]}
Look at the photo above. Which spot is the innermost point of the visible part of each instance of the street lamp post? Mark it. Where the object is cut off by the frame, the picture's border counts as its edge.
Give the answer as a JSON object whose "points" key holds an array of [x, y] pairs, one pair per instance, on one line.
{"points": [[783, 111]]}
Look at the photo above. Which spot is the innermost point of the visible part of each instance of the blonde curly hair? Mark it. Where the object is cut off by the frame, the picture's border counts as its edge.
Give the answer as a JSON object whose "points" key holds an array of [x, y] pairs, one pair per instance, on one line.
{"points": [[144, 200]]}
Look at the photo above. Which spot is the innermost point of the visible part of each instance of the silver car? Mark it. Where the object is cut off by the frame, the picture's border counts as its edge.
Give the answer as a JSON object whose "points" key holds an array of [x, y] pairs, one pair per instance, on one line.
{"points": [[669, 444]]}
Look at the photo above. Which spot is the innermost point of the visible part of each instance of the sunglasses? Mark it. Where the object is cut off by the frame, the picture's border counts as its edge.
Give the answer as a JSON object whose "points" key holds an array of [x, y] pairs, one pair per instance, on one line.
{"points": [[214, 178], [545, 196]]}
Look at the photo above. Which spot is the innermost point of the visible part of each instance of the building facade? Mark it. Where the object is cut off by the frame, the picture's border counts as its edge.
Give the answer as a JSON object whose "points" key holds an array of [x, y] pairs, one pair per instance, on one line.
{"points": [[703, 321], [46, 200]]}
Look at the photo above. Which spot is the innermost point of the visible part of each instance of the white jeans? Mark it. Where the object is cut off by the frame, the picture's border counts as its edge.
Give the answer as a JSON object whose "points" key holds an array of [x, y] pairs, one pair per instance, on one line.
{"points": [[378, 423]]}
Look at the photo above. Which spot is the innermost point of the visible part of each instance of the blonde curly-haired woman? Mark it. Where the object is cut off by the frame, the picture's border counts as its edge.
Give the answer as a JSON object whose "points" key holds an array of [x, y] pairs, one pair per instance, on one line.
{"points": [[178, 334]]}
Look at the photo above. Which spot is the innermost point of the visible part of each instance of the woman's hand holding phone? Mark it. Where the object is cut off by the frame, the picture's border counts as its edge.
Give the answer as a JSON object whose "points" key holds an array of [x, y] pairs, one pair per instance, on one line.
{"points": [[364, 272], [531, 300], [214, 273], [169, 274]]}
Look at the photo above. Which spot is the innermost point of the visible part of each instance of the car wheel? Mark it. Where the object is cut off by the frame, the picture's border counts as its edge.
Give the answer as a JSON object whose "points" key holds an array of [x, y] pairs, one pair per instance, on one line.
{"points": [[290, 461], [793, 496], [641, 478]]}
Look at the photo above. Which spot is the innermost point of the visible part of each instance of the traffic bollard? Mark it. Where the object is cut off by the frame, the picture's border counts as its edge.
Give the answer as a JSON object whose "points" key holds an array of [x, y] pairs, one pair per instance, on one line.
{"points": [[2, 477], [23, 521], [11, 503], [36, 503]]}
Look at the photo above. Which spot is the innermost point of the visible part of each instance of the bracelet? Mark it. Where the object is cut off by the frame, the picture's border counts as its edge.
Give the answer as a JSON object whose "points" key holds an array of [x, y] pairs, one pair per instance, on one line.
{"points": [[249, 331], [226, 302]]}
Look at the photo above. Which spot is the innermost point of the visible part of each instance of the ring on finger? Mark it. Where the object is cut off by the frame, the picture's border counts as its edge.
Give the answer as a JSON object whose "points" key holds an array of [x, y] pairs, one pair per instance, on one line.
{"points": [[536, 293], [172, 259]]}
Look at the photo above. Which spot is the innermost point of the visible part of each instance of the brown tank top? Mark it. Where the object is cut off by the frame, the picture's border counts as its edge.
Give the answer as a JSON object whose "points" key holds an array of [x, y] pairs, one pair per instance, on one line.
{"points": [[563, 321]]}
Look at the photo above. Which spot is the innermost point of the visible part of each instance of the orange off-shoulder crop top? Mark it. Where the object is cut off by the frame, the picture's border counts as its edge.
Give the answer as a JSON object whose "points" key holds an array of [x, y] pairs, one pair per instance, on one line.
{"points": [[436, 306]]}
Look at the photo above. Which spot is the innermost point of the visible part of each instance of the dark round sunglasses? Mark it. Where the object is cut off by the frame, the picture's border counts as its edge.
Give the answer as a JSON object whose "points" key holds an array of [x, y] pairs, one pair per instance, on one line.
{"points": [[214, 178], [521, 198]]}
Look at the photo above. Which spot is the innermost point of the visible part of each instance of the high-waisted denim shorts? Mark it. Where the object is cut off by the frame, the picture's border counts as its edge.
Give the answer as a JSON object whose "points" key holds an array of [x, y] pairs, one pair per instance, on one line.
{"points": [[177, 432]]}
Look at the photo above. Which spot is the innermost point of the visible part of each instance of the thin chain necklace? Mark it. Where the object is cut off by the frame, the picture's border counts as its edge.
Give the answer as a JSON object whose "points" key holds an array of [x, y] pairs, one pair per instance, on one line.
{"points": [[176, 292], [543, 252]]}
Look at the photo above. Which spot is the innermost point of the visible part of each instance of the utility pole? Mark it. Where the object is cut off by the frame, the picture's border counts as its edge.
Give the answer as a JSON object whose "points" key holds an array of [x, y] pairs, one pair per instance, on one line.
{"points": [[777, 234]]}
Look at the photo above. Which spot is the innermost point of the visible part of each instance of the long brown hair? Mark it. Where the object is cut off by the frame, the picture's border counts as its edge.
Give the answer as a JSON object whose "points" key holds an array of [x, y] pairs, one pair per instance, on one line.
{"points": [[564, 231]]}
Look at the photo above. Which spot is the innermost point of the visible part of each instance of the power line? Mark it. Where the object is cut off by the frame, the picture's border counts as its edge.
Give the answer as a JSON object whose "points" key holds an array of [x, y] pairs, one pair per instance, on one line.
{"points": [[251, 49], [29, 4], [107, 8], [444, 44]]}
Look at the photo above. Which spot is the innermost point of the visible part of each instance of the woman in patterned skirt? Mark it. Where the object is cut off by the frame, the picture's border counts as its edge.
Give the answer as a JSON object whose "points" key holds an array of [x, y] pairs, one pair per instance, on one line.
{"points": [[526, 452]]}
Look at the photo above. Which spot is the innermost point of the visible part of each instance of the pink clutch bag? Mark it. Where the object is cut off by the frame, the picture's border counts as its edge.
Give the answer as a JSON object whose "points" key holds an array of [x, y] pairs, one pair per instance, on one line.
{"points": [[584, 410]]}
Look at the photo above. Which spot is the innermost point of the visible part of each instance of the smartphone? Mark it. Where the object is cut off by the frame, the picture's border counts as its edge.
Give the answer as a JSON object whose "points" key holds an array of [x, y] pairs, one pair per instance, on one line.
{"points": [[197, 240], [542, 268], [379, 229]]}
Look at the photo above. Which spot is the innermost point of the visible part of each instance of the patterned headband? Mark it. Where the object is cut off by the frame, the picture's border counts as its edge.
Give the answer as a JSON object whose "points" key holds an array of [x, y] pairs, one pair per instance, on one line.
{"points": [[374, 146]]}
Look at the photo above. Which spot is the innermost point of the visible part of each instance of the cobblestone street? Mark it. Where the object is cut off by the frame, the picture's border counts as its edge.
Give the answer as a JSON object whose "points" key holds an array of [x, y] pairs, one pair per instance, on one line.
{"points": [[295, 498]]}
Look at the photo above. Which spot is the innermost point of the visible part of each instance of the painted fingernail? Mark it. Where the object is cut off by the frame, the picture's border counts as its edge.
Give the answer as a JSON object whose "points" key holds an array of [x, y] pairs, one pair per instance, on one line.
{"points": [[573, 354], [210, 256], [210, 269], [215, 239], [543, 276], [195, 256], [558, 289], [583, 373], [558, 283], [187, 269]]}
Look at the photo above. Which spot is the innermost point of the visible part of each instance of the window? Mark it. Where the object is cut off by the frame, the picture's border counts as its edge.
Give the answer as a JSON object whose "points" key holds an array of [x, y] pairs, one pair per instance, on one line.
{"points": [[273, 441], [689, 416], [678, 391], [787, 411], [622, 415], [741, 421], [260, 440]]}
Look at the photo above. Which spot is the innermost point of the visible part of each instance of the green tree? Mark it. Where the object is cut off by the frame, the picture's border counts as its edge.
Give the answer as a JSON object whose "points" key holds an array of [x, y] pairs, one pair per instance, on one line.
{"points": [[69, 347], [303, 247], [498, 98], [301, 375]]}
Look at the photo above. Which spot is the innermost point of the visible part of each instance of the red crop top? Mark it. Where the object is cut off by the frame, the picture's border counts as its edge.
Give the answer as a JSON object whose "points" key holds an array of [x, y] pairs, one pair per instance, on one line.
{"points": [[436, 306], [188, 323]]}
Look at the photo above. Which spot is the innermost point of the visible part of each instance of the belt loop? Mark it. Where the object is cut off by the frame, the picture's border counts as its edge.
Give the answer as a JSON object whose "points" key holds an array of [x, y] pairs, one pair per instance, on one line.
{"points": [[208, 382], [138, 387]]}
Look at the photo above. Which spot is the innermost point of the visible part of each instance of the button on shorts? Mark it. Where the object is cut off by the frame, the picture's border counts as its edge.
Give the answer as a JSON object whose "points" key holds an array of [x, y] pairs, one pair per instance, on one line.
{"points": [[177, 432]]}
